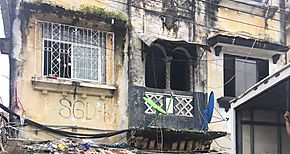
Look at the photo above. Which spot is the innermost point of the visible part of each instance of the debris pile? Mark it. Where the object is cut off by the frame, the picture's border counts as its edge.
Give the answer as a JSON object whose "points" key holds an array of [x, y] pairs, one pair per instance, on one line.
{"points": [[71, 146]]}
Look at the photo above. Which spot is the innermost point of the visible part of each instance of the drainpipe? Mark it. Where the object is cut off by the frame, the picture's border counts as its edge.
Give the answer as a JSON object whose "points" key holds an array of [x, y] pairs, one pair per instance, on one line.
{"points": [[129, 3]]}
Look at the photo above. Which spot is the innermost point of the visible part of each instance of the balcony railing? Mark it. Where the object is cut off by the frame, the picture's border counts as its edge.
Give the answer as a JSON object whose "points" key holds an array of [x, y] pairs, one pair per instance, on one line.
{"points": [[178, 105]]}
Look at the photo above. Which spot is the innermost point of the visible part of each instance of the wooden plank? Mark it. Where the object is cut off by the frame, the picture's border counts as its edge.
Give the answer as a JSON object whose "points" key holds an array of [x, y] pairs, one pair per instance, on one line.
{"points": [[144, 143], [151, 145], [174, 146], [182, 145], [189, 146], [138, 142]]}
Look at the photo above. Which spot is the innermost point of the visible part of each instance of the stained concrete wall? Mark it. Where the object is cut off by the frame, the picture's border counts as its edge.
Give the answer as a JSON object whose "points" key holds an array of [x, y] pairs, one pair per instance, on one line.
{"points": [[155, 19], [50, 101], [149, 17], [245, 20]]}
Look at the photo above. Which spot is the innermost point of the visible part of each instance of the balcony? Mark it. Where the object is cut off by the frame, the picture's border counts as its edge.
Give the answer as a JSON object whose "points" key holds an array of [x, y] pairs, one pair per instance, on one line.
{"points": [[183, 108]]}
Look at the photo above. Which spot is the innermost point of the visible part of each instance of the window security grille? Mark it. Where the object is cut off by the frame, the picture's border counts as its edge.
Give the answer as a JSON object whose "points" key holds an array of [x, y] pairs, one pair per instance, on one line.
{"points": [[74, 52]]}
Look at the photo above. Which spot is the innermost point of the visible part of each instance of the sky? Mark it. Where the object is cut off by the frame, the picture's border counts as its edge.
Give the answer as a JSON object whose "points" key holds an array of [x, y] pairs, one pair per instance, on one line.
{"points": [[4, 70]]}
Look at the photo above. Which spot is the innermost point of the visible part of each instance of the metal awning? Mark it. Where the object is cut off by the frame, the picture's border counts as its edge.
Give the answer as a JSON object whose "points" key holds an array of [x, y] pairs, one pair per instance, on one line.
{"points": [[235, 44], [246, 42]]}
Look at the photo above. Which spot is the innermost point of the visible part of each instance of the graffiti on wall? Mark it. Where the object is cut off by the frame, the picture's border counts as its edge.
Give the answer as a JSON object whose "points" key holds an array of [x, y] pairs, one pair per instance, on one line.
{"points": [[84, 110]]}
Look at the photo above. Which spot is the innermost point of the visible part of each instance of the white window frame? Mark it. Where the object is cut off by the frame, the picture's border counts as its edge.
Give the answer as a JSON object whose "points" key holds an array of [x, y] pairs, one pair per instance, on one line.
{"points": [[101, 44]]}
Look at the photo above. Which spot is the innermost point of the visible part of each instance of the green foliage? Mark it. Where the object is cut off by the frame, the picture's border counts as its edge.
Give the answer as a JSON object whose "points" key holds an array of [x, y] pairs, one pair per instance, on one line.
{"points": [[267, 38], [101, 11]]}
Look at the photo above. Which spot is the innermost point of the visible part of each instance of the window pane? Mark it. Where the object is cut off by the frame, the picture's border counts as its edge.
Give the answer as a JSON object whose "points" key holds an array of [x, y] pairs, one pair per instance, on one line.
{"points": [[88, 47], [57, 59], [265, 139], [246, 75], [285, 141], [263, 69], [86, 63], [246, 139], [229, 75], [265, 115]]}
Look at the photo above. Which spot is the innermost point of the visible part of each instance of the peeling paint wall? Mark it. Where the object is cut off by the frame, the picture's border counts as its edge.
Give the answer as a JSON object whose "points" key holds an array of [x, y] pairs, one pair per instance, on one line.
{"points": [[168, 21], [52, 101], [245, 19], [153, 19]]}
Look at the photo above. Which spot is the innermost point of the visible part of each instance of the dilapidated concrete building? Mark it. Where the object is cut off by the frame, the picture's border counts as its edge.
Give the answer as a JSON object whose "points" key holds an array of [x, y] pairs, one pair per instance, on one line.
{"points": [[69, 64], [86, 68], [251, 47], [90, 65]]}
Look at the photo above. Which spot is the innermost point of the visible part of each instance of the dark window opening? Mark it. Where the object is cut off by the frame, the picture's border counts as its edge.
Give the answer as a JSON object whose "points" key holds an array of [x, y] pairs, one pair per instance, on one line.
{"points": [[229, 75], [180, 74], [241, 73], [155, 68]]}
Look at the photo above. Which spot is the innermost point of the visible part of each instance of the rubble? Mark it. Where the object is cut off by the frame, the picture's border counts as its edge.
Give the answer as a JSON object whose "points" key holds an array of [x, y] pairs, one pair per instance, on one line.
{"points": [[69, 146]]}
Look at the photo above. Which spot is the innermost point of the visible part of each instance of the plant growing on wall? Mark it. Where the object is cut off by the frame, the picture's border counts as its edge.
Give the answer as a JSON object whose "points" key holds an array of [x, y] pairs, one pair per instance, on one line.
{"points": [[101, 11], [267, 38]]}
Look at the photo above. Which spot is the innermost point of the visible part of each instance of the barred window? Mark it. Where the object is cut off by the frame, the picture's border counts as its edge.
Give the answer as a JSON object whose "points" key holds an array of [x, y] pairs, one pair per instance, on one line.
{"points": [[74, 52]]}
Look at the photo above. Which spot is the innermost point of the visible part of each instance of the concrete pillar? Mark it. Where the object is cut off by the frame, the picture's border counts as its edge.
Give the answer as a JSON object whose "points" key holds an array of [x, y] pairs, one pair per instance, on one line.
{"points": [[168, 69]]}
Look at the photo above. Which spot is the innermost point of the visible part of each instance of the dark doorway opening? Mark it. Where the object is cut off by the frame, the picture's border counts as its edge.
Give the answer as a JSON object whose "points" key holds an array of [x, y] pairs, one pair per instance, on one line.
{"points": [[180, 71], [155, 68]]}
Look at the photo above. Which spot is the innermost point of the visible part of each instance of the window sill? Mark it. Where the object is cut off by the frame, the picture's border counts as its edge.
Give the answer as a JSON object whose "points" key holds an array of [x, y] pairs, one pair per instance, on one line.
{"points": [[253, 3], [65, 86]]}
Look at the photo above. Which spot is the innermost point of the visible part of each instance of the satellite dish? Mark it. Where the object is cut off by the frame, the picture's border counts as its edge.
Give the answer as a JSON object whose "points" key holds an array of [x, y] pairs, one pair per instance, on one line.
{"points": [[207, 112]]}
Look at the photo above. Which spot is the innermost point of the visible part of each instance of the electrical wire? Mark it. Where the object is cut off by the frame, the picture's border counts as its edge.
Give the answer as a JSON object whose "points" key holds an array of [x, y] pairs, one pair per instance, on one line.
{"points": [[190, 21], [64, 133], [186, 60], [210, 15], [187, 20], [263, 6], [211, 61]]}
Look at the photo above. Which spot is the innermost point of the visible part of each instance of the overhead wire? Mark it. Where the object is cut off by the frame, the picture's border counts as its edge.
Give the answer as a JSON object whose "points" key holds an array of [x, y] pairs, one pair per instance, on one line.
{"points": [[260, 5], [31, 47], [210, 15], [209, 61], [190, 21]]}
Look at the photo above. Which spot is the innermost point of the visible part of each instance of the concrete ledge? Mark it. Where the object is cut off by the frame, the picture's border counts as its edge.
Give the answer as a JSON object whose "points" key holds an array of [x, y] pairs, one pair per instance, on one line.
{"points": [[65, 86]]}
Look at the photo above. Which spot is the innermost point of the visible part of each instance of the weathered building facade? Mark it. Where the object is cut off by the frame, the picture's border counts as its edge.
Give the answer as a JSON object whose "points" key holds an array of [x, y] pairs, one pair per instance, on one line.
{"points": [[87, 68], [166, 63], [248, 45], [68, 64], [80, 65]]}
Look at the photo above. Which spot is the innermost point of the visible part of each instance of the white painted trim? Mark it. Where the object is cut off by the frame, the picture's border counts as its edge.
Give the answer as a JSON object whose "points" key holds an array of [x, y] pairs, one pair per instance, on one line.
{"points": [[242, 50], [233, 133], [66, 81]]}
